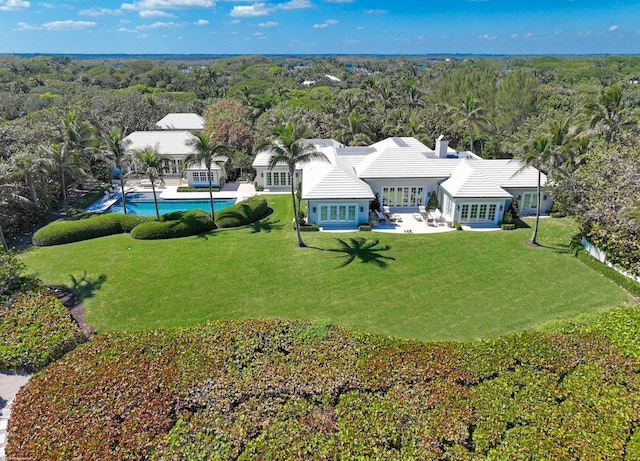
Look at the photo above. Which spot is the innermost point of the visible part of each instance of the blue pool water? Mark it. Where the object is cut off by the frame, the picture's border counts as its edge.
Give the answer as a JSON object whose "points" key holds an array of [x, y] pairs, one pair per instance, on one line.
{"points": [[143, 205]]}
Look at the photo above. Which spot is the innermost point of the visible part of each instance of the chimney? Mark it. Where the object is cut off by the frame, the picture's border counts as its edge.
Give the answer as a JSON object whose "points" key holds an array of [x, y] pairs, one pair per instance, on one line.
{"points": [[442, 146]]}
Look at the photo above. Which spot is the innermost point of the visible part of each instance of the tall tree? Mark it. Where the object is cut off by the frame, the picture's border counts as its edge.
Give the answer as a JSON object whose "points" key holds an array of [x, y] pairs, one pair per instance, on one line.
{"points": [[28, 166], [65, 162], [207, 152], [607, 113], [288, 146], [537, 155], [470, 115], [150, 164], [117, 150]]}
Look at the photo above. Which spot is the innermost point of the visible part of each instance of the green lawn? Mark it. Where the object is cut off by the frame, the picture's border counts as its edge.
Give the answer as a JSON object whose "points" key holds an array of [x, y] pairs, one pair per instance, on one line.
{"points": [[456, 285]]}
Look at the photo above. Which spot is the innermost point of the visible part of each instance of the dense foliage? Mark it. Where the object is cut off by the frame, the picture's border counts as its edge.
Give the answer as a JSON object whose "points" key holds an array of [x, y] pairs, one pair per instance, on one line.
{"points": [[296, 390], [242, 213], [586, 107], [35, 330], [84, 227], [174, 225]]}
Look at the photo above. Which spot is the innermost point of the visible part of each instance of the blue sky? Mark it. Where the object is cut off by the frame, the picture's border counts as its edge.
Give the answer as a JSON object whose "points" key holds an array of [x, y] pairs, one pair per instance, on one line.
{"points": [[321, 26]]}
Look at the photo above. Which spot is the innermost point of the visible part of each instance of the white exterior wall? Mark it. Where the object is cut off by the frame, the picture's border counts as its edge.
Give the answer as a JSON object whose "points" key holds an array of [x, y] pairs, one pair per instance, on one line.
{"points": [[545, 203], [453, 209], [198, 178], [263, 173], [317, 208], [428, 187]]}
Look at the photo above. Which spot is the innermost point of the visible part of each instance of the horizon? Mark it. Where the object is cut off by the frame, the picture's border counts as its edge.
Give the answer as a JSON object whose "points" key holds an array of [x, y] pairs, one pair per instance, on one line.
{"points": [[320, 27]]}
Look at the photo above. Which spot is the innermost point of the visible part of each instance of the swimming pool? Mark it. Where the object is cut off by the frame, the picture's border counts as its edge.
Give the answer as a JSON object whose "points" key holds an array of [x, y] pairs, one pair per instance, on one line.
{"points": [[142, 204]]}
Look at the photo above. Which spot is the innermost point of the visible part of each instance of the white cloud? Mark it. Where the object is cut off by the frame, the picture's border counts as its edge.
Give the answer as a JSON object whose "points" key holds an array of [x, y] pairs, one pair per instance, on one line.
{"points": [[250, 11], [487, 37], [160, 25], [155, 14], [360, 28], [166, 4], [340, 1], [58, 25], [124, 29], [613, 28], [327, 23], [201, 22], [269, 24], [295, 5], [378, 11], [95, 11], [13, 5]]}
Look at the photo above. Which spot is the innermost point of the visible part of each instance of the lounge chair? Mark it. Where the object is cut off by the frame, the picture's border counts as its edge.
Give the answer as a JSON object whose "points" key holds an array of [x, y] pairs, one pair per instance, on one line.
{"points": [[381, 217]]}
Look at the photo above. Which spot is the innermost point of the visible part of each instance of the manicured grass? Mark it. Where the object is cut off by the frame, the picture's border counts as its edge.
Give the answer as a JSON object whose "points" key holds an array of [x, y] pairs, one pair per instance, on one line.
{"points": [[457, 285]]}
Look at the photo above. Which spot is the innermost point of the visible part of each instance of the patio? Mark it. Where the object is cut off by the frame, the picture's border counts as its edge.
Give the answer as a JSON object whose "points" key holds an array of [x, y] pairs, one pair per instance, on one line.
{"points": [[410, 222]]}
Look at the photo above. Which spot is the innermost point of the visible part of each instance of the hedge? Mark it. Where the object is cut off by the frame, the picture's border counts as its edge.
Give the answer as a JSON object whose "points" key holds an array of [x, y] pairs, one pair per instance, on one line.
{"points": [[175, 225], [85, 226], [35, 330], [621, 280], [294, 390], [245, 212]]}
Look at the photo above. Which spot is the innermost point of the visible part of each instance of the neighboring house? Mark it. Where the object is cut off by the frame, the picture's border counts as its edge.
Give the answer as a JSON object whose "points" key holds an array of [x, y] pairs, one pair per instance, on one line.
{"points": [[181, 121], [403, 173], [174, 145]]}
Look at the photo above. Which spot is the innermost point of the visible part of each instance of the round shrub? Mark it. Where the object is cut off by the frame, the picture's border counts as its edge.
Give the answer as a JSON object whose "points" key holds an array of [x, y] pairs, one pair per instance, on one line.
{"points": [[85, 227], [36, 329], [246, 212], [174, 225]]}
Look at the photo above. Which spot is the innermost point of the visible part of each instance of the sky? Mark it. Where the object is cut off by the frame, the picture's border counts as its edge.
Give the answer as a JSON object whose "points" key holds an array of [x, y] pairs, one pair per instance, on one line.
{"points": [[397, 27]]}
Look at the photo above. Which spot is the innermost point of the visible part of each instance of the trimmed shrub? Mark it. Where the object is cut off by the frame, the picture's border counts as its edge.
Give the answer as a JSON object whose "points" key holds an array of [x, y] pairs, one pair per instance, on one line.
{"points": [[457, 225], [84, 227], [364, 227], [508, 226], [36, 329], [294, 390], [175, 225], [246, 212], [309, 228]]}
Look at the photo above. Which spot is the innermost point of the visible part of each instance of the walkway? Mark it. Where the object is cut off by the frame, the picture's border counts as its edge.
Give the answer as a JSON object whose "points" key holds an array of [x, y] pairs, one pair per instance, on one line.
{"points": [[10, 384]]}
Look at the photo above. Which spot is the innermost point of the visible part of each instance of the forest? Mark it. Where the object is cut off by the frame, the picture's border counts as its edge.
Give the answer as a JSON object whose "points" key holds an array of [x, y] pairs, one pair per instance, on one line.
{"points": [[575, 118]]}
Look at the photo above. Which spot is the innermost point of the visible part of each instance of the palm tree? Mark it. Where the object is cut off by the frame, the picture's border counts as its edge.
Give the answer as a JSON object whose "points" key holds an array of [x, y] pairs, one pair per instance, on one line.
{"points": [[28, 166], [207, 152], [117, 150], [65, 162], [353, 129], [537, 155], [607, 113], [288, 147], [470, 115], [77, 133], [151, 164]]}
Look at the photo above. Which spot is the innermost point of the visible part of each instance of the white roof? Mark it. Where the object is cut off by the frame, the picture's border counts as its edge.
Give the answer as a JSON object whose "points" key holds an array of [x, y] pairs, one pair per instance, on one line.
{"points": [[168, 142], [214, 164], [509, 173], [468, 182], [181, 121], [397, 158], [333, 180]]}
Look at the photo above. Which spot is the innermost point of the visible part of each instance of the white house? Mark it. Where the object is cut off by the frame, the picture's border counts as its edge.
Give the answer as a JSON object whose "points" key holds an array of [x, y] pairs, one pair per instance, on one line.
{"points": [[181, 121], [403, 173], [173, 143]]}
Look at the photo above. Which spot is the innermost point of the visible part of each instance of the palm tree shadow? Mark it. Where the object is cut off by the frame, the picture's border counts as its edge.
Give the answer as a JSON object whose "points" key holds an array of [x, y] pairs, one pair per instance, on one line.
{"points": [[85, 288], [362, 249], [264, 226]]}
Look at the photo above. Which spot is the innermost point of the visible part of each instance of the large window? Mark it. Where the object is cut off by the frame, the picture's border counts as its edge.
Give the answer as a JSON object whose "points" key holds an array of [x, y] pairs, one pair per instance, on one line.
{"points": [[201, 176], [478, 212], [529, 201], [337, 214], [277, 178], [402, 196]]}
